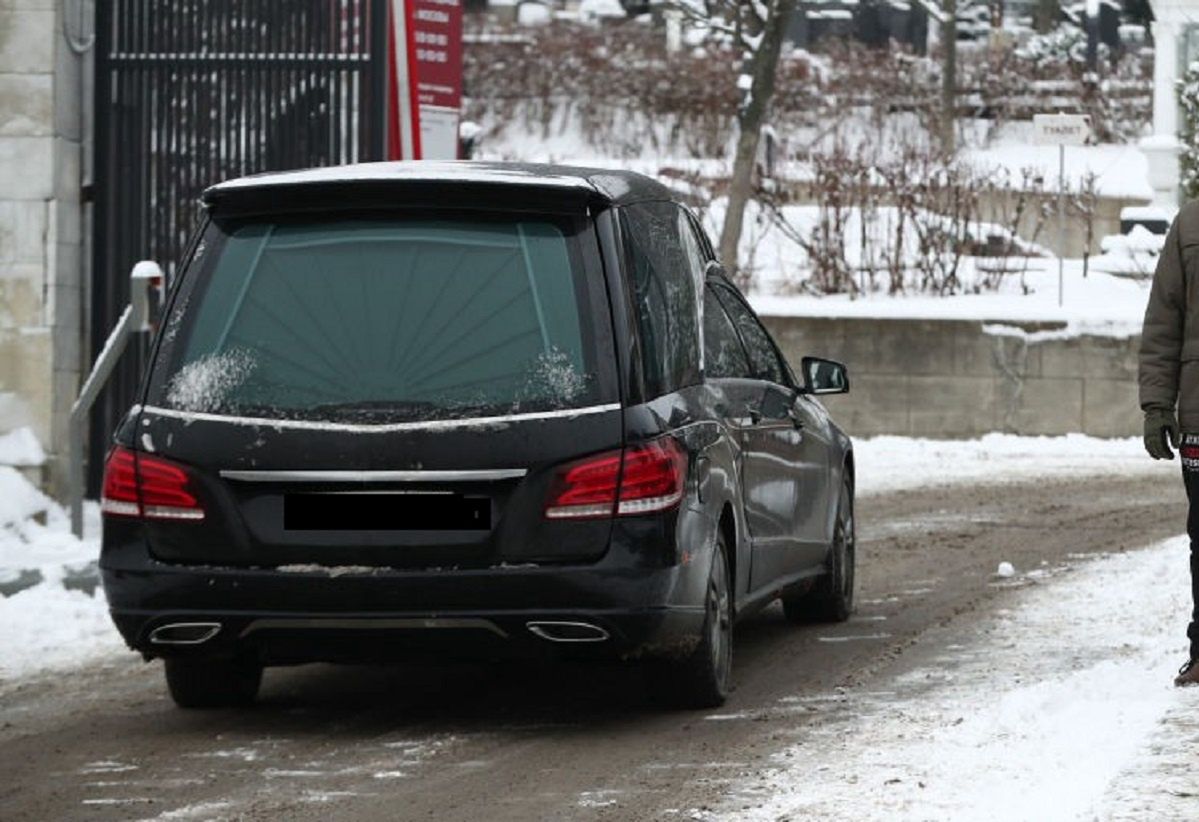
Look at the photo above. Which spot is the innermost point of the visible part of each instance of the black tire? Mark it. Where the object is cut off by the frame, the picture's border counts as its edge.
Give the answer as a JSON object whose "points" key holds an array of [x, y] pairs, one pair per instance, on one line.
{"points": [[830, 598], [212, 683], [701, 680]]}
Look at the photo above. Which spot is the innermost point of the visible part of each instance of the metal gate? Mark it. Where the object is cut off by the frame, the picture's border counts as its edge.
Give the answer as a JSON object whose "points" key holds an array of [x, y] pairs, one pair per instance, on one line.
{"points": [[192, 92]]}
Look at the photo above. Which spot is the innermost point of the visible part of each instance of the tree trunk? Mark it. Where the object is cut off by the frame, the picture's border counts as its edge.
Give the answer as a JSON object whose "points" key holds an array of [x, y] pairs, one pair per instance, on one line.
{"points": [[762, 68], [1047, 15], [949, 76]]}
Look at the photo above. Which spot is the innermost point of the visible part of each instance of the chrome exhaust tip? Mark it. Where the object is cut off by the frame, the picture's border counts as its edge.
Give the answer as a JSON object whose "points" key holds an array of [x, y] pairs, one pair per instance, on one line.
{"points": [[555, 631], [184, 633]]}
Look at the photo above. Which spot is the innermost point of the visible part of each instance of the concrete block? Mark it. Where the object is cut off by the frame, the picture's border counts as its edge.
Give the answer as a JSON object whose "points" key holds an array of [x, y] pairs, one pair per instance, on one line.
{"points": [[874, 405], [66, 388], [1110, 358], [27, 40], [1049, 405], [973, 351], [951, 406], [1111, 409], [23, 232], [67, 180], [66, 216], [9, 356], [800, 337], [1062, 358], [68, 346], [27, 168], [32, 379], [22, 5], [69, 88], [26, 105], [64, 306], [897, 347], [21, 301]]}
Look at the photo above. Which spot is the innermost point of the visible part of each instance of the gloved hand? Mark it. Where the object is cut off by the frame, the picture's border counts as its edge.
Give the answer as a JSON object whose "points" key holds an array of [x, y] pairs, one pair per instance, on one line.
{"points": [[1161, 432]]}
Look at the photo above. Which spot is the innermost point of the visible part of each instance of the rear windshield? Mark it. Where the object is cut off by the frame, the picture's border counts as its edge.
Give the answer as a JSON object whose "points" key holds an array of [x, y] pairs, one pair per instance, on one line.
{"points": [[382, 320]]}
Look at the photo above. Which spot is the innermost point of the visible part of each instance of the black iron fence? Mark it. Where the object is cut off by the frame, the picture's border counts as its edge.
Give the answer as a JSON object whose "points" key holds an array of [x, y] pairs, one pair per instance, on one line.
{"points": [[191, 92]]}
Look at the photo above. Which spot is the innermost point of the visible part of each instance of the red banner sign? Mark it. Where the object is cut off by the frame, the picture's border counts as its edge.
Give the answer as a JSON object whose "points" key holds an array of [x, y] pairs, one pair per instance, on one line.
{"points": [[426, 100]]}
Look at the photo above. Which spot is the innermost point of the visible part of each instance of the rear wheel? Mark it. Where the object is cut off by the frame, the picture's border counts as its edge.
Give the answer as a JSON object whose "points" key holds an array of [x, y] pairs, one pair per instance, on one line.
{"points": [[212, 683], [702, 679], [830, 598]]}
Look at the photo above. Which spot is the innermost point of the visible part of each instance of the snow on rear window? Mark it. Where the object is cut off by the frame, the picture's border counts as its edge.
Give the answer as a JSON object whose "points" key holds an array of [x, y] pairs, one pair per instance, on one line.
{"points": [[204, 385]]}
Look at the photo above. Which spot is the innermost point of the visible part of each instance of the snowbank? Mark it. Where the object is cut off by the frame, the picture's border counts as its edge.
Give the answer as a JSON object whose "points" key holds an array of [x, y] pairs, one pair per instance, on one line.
{"points": [[47, 626], [901, 463], [21, 448], [1100, 303]]}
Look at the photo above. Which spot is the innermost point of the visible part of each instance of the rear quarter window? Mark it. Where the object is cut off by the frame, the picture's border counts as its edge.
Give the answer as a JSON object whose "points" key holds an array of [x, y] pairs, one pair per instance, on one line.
{"points": [[663, 283]]}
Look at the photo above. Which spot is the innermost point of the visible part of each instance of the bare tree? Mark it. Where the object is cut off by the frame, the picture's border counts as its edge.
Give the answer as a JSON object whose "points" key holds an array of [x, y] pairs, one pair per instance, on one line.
{"points": [[949, 75], [756, 28]]}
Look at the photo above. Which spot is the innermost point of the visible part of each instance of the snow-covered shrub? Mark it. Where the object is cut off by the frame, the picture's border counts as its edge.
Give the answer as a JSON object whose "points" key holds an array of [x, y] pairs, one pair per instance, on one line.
{"points": [[1188, 99]]}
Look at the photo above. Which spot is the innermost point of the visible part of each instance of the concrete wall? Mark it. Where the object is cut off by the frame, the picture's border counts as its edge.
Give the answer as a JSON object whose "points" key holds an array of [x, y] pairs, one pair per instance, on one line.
{"points": [[942, 378], [41, 223]]}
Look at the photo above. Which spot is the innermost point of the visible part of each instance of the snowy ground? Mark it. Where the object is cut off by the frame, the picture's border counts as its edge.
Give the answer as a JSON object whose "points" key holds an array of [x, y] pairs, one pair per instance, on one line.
{"points": [[1064, 710]]}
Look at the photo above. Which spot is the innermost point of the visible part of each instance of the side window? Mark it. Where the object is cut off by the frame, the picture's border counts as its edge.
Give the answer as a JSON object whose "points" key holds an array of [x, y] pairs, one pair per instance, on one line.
{"points": [[665, 296], [724, 355], [698, 263], [762, 356]]}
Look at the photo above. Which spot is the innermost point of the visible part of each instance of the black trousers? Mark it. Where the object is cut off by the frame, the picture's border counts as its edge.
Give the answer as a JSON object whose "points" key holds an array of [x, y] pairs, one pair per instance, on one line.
{"points": [[1190, 478]]}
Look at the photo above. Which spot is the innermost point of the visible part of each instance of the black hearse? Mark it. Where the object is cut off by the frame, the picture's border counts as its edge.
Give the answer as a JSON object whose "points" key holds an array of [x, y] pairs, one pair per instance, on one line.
{"points": [[474, 408]]}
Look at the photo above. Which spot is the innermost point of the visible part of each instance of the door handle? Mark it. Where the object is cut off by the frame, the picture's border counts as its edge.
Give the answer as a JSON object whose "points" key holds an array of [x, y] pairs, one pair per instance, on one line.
{"points": [[755, 415]]}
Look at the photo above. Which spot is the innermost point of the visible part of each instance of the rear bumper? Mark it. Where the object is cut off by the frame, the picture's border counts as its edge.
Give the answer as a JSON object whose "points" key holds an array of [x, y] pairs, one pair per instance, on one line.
{"points": [[362, 615]]}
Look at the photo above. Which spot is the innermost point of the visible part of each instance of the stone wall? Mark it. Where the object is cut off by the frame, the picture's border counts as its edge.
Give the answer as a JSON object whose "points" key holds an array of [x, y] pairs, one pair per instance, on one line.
{"points": [[41, 222], [942, 378]]}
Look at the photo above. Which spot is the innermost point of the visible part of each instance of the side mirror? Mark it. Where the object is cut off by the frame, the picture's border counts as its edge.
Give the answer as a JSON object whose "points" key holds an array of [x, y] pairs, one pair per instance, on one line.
{"points": [[824, 376], [714, 269]]}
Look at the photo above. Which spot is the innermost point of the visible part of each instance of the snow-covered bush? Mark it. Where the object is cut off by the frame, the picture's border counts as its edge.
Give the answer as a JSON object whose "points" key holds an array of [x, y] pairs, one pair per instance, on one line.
{"points": [[1188, 99]]}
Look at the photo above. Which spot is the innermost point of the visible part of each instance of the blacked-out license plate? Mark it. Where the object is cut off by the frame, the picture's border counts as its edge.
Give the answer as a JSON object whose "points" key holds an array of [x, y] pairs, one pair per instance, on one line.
{"points": [[386, 512]]}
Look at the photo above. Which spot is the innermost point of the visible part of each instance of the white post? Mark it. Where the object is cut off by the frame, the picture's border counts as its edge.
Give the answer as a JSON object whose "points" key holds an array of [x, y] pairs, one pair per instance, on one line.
{"points": [[674, 30], [1061, 225], [1161, 149], [1165, 75]]}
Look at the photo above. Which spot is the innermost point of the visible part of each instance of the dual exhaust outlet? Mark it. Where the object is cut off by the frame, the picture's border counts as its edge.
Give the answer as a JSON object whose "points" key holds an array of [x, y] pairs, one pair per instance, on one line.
{"points": [[197, 633]]}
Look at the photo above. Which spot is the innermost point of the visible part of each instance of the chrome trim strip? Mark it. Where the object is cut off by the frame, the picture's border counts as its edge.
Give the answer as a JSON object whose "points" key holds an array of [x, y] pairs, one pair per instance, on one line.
{"points": [[539, 628], [368, 624], [387, 428], [484, 475], [211, 629]]}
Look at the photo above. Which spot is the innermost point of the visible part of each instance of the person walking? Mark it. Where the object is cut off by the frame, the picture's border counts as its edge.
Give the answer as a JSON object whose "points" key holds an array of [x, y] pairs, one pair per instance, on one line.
{"points": [[1169, 378]]}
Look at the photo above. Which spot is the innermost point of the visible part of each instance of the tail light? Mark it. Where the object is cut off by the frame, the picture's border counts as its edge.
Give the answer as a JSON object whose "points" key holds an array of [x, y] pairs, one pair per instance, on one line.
{"points": [[141, 485], [639, 479]]}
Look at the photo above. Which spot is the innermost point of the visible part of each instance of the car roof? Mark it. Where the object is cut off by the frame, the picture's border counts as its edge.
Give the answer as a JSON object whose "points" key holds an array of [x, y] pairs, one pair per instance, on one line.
{"points": [[613, 186]]}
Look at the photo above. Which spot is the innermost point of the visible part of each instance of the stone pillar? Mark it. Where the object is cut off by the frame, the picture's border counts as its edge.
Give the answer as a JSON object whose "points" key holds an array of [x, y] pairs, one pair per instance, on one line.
{"points": [[1162, 148], [41, 224]]}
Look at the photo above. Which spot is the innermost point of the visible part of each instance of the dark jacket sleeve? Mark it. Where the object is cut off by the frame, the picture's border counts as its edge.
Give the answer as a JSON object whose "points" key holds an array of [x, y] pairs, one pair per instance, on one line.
{"points": [[1162, 333]]}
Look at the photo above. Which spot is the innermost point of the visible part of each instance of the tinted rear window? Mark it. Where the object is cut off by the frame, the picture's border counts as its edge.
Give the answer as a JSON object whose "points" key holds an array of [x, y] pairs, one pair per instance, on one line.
{"points": [[382, 320]]}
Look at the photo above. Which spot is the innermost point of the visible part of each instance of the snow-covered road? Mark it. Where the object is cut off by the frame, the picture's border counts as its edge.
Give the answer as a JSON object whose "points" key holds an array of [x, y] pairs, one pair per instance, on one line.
{"points": [[953, 693]]}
